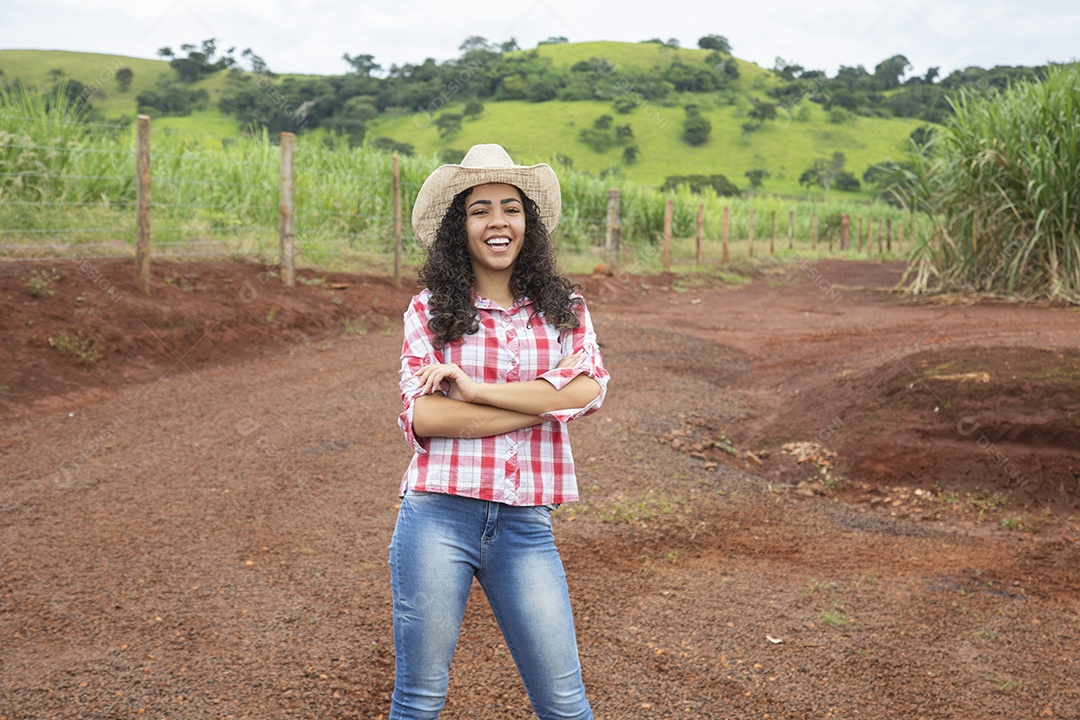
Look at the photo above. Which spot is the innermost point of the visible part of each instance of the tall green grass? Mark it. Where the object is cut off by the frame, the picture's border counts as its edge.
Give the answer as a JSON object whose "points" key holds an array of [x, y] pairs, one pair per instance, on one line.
{"points": [[1003, 182], [67, 187]]}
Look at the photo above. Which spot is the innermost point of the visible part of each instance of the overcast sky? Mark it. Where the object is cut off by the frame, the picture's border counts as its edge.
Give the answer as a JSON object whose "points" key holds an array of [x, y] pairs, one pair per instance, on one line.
{"points": [[310, 36]]}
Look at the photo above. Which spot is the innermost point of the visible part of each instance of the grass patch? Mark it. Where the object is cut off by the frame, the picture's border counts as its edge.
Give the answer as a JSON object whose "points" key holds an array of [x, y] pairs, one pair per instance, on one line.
{"points": [[40, 283], [84, 351], [647, 508], [354, 326], [835, 618]]}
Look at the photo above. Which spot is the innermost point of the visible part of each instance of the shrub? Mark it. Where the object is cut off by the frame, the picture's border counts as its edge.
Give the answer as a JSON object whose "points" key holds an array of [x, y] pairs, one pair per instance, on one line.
{"points": [[1000, 182]]}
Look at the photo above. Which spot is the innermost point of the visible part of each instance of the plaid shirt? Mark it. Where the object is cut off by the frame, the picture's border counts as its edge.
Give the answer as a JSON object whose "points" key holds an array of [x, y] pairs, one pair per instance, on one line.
{"points": [[532, 466]]}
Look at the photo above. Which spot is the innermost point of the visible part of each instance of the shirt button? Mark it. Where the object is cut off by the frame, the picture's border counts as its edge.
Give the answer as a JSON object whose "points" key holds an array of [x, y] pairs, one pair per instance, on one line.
{"points": [[513, 361]]}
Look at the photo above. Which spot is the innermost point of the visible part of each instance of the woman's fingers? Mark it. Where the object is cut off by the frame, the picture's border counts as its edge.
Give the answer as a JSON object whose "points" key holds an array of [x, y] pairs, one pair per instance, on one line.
{"points": [[431, 376], [571, 360]]}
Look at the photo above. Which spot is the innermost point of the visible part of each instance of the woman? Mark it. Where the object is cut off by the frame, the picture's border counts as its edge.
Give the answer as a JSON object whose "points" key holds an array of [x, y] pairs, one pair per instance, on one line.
{"points": [[499, 355]]}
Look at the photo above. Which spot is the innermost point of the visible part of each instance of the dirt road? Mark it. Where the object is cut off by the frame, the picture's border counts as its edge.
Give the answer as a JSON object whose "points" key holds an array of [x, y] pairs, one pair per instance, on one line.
{"points": [[804, 498]]}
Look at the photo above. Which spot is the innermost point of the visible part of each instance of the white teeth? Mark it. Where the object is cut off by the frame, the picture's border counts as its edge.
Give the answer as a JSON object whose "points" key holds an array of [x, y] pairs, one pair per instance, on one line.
{"points": [[498, 241]]}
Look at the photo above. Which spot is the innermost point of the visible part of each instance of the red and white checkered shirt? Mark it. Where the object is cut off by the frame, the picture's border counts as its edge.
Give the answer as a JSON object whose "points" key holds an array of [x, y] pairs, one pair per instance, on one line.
{"points": [[532, 466]]}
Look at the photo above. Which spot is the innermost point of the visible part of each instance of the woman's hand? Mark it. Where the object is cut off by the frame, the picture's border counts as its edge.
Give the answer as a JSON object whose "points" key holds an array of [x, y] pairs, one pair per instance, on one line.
{"points": [[571, 360], [462, 387]]}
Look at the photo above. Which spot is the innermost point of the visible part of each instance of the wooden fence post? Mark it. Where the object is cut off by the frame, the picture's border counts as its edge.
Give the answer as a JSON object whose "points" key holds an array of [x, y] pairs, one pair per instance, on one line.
{"points": [[888, 235], [142, 220], [398, 232], [724, 237], [813, 231], [899, 236], [613, 231], [791, 230], [667, 235], [700, 259], [858, 235], [880, 245], [772, 235], [287, 210], [845, 231], [750, 234]]}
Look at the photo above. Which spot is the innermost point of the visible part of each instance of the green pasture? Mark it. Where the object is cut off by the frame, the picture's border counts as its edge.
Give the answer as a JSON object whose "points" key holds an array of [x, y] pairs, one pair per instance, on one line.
{"points": [[535, 132]]}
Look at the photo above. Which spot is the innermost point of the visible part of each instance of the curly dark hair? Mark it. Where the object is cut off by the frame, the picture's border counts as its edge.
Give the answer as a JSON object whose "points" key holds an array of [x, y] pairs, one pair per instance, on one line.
{"points": [[447, 272]]}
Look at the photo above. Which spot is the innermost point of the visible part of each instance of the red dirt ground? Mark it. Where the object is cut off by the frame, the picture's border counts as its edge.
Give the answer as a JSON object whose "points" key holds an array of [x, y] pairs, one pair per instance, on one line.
{"points": [[804, 498]]}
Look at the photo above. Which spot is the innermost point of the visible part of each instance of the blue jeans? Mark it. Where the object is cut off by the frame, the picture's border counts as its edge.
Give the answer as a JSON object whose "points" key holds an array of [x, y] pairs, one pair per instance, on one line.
{"points": [[441, 542]]}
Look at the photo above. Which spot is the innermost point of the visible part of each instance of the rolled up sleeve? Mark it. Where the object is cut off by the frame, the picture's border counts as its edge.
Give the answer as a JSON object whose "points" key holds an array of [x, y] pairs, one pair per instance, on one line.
{"points": [[417, 351], [581, 338]]}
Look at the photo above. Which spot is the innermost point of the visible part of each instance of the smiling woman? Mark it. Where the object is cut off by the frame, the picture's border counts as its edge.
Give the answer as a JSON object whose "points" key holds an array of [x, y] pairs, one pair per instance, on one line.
{"points": [[499, 355], [495, 227]]}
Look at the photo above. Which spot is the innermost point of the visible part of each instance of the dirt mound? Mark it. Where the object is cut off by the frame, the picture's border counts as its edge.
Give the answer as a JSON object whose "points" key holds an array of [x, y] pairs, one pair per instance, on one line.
{"points": [[78, 329]]}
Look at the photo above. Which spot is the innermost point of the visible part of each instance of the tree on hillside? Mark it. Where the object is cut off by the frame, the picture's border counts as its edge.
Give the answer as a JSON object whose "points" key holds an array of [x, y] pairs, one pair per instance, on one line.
{"points": [[258, 65], [123, 77], [696, 127], [474, 43], [389, 145], [362, 65], [759, 114], [787, 69], [554, 40], [473, 108], [200, 61], [757, 176], [824, 172], [169, 97], [889, 73], [714, 42], [449, 124], [604, 134], [701, 183]]}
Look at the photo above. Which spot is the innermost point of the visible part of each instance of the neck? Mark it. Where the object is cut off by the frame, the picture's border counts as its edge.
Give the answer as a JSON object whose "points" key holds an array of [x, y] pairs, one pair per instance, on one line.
{"points": [[495, 286]]}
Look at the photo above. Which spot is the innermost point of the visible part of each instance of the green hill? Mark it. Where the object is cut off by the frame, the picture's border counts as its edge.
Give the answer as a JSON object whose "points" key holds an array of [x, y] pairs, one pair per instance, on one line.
{"points": [[639, 55], [537, 132], [784, 147]]}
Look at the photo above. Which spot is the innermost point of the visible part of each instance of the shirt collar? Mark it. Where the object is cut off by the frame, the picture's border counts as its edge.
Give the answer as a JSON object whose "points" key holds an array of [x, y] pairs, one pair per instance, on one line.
{"points": [[483, 303]]}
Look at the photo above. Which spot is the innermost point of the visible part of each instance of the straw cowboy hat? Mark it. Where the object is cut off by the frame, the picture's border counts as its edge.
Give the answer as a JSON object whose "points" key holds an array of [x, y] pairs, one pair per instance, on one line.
{"points": [[481, 165]]}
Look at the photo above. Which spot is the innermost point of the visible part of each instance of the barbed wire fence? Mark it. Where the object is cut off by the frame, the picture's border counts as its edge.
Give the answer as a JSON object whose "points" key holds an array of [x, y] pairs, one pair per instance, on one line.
{"points": [[199, 197]]}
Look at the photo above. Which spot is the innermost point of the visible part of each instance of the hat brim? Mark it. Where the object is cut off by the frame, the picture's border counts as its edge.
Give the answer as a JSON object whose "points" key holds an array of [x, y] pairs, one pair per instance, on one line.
{"points": [[538, 182]]}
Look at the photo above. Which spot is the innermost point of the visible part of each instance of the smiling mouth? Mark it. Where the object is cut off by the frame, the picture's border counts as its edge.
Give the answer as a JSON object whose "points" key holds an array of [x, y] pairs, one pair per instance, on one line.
{"points": [[497, 242]]}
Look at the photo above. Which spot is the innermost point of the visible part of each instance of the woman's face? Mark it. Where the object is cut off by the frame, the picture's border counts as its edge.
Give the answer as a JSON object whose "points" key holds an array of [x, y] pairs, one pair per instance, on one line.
{"points": [[495, 226]]}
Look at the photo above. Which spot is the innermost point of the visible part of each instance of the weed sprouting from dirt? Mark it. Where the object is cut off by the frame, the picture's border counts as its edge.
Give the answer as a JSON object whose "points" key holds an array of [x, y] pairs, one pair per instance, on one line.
{"points": [[650, 507], [355, 326], [835, 618], [85, 351], [40, 283]]}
